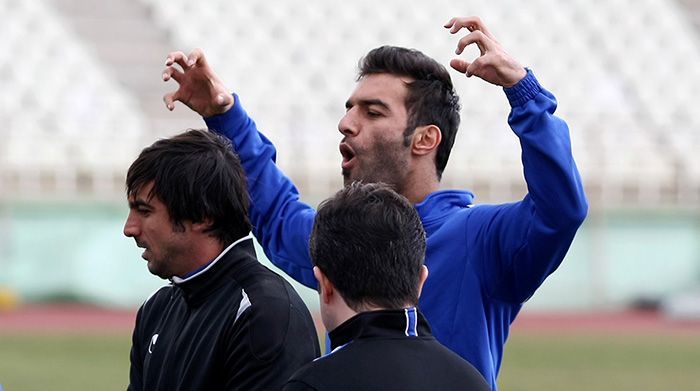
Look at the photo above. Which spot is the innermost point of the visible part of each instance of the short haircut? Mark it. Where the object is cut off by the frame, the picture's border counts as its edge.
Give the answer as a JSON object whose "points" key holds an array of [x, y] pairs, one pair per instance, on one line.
{"points": [[370, 243], [431, 98], [198, 177]]}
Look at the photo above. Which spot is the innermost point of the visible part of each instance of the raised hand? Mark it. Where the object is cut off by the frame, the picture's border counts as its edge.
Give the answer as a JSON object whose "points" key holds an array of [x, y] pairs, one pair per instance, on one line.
{"points": [[493, 65], [199, 87]]}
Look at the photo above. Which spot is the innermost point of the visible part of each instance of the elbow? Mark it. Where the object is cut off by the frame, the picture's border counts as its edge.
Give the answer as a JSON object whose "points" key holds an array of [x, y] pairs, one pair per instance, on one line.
{"points": [[581, 211], [570, 215], [577, 212]]}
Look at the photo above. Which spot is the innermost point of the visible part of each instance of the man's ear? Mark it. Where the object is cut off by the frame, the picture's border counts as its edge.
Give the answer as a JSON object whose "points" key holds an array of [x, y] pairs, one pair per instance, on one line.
{"points": [[421, 279], [326, 290], [425, 139]]}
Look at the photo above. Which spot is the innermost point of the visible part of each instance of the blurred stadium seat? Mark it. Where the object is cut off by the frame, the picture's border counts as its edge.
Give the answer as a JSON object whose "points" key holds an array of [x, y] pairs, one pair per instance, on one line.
{"points": [[63, 118], [625, 86]]}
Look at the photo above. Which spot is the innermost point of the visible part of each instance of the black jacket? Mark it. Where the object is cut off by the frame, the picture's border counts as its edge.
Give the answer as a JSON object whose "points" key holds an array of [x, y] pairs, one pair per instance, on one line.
{"points": [[387, 350], [235, 325]]}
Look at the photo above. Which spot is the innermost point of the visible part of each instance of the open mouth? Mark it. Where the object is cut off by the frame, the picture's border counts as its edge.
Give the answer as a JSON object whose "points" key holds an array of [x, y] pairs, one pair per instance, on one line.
{"points": [[144, 247], [348, 155]]}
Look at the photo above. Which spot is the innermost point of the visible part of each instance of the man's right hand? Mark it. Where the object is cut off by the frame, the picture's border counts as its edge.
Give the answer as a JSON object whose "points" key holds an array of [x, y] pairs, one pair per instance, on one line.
{"points": [[199, 87]]}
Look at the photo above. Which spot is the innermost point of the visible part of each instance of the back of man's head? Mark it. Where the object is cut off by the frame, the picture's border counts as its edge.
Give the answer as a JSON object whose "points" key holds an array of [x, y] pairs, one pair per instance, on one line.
{"points": [[199, 178], [369, 242]]}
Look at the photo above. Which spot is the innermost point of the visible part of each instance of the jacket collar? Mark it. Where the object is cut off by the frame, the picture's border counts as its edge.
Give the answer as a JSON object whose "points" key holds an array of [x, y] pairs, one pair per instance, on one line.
{"points": [[440, 205], [197, 287], [407, 322]]}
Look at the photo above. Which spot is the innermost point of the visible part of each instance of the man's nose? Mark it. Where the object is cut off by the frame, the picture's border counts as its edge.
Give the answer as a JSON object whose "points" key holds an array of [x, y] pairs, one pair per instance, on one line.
{"points": [[131, 227], [347, 125]]}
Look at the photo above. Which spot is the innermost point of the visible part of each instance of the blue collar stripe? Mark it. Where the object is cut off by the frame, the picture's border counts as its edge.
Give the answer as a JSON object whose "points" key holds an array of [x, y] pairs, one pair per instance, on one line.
{"points": [[411, 322]]}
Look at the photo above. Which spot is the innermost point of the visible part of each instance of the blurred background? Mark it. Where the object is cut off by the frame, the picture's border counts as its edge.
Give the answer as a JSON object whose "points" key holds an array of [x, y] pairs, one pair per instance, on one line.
{"points": [[80, 96]]}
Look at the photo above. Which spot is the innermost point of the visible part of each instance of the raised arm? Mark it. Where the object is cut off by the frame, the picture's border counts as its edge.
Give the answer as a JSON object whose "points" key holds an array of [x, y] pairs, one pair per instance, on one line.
{"points": [[281, 223], [524, 241]]}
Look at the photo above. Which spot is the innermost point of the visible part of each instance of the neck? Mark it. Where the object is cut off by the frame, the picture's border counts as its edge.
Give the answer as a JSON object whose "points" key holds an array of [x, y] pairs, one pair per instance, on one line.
{"points": [[204, 252], [417, 189], [337, 316]]}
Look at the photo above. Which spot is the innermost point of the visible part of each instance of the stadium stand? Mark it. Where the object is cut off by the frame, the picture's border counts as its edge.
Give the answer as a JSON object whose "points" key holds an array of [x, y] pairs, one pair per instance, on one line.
{"points": [[66, 127], [85, 95]]}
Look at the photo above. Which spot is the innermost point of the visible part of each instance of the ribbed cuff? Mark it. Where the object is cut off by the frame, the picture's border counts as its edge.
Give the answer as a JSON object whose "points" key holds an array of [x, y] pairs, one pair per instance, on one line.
{"points": [[524, 90], [217, 123]]}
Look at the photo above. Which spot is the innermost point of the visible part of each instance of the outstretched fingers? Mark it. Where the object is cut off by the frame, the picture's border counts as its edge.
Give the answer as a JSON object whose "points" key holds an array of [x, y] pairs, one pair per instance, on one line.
{"points": [[177, 57], [171, 72], [196, 57], [185, 62], [471, 23], [460, 65], [493, 64], [169, 100], [480, 39]]}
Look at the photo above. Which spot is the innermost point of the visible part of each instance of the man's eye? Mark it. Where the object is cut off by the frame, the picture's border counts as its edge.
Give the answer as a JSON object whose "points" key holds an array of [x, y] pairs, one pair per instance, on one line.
{"points": [[374, 114]]}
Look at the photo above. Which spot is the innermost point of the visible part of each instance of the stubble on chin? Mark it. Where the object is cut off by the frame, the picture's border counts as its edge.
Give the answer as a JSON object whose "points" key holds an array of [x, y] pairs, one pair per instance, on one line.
{"points": [[156, 268]]}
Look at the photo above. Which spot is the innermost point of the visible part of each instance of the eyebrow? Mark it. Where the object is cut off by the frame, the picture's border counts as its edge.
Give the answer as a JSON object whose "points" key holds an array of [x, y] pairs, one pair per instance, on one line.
{"points": [[368, 102], [139, 203]]}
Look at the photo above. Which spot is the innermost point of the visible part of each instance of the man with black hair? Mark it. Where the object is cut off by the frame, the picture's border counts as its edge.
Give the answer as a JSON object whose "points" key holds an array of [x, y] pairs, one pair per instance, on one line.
{"points": [[367, 247], [399, 127], [225, 322]]}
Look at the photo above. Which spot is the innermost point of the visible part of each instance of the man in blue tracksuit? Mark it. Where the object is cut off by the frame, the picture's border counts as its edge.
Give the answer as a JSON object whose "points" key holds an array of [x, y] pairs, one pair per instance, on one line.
{"points": [[399, 127]]}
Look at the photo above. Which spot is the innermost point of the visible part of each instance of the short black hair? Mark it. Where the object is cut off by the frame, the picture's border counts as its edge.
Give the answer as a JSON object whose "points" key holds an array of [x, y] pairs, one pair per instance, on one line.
{"points": [[370, 243], [431, 98], [198, 177]]}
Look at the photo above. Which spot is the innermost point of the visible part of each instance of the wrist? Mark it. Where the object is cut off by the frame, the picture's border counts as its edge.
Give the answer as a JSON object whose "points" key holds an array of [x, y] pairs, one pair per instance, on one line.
{"points": [[223, 103], [517, 75], [525, 89]]}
